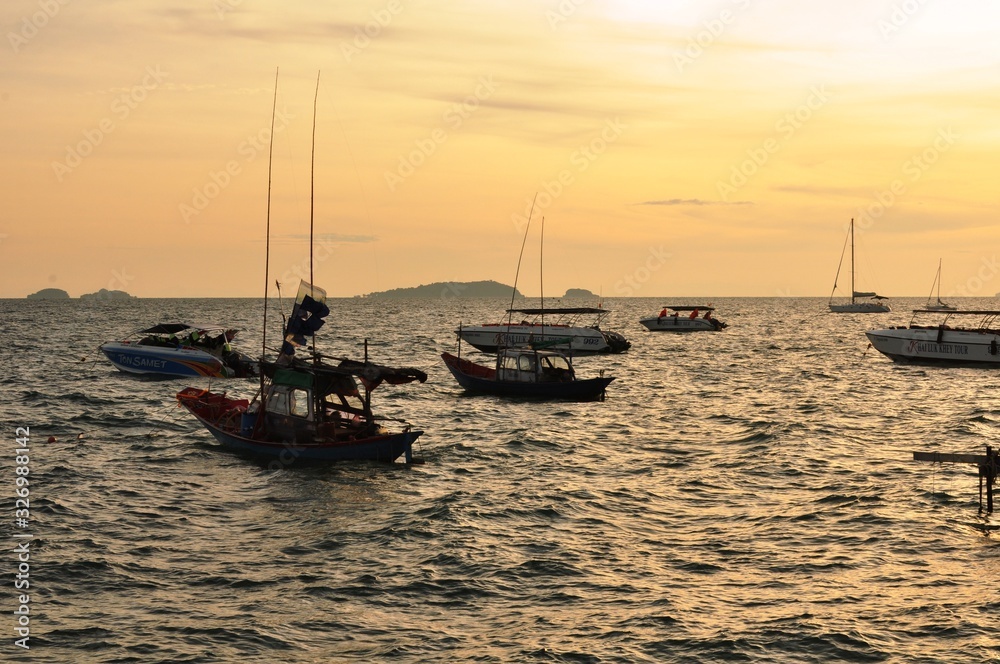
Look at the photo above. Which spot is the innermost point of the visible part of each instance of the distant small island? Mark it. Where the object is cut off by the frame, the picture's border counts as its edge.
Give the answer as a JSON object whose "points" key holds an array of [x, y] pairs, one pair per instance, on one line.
{"points": [[446, 289], [578, 292], [105, 294], [49, 294]]}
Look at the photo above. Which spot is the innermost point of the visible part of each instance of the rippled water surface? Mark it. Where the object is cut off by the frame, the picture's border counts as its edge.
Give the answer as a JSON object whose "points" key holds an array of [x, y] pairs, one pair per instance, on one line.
{"points": [[740, 496]]}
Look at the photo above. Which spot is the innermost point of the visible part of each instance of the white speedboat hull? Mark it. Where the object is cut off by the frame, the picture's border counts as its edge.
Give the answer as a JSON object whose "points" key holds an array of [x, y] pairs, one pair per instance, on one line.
{"points": [[937, 345], [488, 338], [679, 324]]}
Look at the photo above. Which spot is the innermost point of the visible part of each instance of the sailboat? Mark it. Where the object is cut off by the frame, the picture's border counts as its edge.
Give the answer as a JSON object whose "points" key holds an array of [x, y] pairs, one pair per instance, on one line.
{"points": [[308, 409], [873, 305], [938, 305]]}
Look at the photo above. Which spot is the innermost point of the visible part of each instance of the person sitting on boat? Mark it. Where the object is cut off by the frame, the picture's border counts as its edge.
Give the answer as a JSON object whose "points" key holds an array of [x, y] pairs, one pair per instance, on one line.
{"points": [[708, 315], [694, 314], [663, 312]]}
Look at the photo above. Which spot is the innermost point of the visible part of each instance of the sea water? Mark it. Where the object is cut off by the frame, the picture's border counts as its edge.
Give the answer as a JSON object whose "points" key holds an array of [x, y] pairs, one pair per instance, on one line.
{"points": [[746, 495]]}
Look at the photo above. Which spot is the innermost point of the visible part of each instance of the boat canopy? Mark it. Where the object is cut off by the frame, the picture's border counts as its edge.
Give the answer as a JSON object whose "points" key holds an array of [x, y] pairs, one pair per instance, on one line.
{"points": [[689, 307], [330, 379], [174, 328], [559, 310]]}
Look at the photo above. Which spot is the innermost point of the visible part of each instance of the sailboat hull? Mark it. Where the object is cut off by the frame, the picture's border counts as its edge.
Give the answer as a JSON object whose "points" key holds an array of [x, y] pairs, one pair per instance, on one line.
{"points": [[860, 308]]}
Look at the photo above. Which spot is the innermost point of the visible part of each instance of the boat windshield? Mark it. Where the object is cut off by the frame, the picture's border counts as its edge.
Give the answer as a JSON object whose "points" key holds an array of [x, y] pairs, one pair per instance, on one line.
{"points": [[555, 362]]}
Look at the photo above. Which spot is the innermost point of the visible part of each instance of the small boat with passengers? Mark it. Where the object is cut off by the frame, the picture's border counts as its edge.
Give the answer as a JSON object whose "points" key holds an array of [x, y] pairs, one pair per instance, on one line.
{"points": [[958, 344], [180, 349], [692, 321], [564, 323]]}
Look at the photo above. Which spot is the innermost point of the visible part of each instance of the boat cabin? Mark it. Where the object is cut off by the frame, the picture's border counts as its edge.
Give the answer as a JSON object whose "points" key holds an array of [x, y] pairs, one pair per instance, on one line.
{"points": [[319, 403], [525, 365]]}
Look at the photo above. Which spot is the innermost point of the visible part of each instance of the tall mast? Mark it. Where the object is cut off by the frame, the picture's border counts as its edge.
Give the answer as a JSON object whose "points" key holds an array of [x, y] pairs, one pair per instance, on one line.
{"points": [[267, 235], [852, 260], [312, 199]]}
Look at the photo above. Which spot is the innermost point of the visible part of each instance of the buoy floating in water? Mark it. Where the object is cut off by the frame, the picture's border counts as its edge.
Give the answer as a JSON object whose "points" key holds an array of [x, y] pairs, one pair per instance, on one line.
{"points": [[52, 439]]}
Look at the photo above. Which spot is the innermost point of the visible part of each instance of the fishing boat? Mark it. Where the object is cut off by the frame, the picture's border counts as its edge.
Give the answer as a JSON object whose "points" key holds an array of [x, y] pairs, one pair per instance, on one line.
{"points": [[937, 304], [577, 328], [872, 305], [315, 409], [180, 349], [526, 372], [308, 409], [693, 320], [961, 344]]}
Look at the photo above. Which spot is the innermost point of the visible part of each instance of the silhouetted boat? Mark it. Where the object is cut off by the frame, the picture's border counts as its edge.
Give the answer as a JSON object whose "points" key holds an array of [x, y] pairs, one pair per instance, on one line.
{"points": [[526, 372], [308, 410]]}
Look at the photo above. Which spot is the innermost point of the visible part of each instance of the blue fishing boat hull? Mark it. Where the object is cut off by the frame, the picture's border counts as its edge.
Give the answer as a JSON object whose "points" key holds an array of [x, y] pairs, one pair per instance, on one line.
{"points": [[577, 390], [387, 448], [162, 361]]}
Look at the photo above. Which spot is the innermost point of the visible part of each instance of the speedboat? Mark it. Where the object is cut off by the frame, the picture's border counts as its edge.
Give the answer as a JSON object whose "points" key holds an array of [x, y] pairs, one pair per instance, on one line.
{"points": [[308, 409], [942, 343], [526, 372], [180, 349], [690, 322], [565, 324]]}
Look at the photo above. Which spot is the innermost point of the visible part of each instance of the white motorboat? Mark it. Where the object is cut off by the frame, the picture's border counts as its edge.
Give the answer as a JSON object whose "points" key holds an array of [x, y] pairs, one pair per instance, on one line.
{"points": [[692, 321], [942, 343], [857, 305], [565, 324], [180, 349]]}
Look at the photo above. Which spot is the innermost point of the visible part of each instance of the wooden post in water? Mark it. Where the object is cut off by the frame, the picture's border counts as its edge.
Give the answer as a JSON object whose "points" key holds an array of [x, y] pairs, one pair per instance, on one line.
{"points": [[987, 469]]}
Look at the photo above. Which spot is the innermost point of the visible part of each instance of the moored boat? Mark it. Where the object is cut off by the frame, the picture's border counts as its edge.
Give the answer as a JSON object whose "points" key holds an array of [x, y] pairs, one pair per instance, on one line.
{"points": [[942, 343], [526, 372], [180, 349], [874, 304], [308, 410], [692, 321], [565, 323]]}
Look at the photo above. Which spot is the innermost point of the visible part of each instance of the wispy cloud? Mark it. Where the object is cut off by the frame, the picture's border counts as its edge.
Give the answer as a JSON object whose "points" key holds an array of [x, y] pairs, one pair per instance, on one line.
{"points": [[693, 201], [324, 237]]}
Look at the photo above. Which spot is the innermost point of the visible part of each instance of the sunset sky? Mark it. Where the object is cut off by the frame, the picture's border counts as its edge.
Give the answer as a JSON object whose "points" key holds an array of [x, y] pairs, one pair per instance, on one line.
{"points": [[676, 147]]}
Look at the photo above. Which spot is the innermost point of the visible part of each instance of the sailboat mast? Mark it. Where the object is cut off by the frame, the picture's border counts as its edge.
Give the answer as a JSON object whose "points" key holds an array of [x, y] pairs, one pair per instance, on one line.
{"points": [[267, 233], [852, 260]]}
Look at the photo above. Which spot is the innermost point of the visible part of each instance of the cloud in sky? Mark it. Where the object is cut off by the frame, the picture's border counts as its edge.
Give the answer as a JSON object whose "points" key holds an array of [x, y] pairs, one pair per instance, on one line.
{"points": [[693, 201]]}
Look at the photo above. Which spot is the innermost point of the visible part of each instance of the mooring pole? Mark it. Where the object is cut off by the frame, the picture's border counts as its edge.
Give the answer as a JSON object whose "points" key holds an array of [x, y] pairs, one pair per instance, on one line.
{"points": [[991, 475]]}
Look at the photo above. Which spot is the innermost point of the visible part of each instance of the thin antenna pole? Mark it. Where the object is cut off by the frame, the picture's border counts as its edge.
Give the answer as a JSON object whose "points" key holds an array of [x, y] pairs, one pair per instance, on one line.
{"points": [[312, 202], [312, 185], [541, 278], [267, 240], [519, 257]]}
